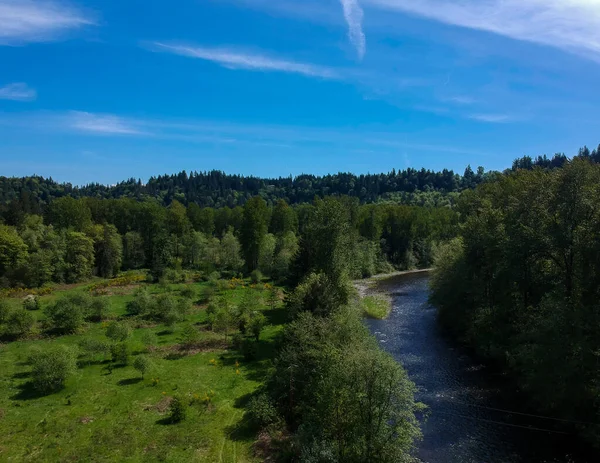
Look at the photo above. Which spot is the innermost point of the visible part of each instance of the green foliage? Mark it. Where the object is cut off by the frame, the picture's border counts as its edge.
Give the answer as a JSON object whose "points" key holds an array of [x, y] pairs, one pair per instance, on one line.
{"points": [[99, 308], [93, 347], [68, 212], [178, 409], [79, 257], [142, 364], [31, 302], [5, 310], [255, 324], [256, 276], [118, 331], [120, 353], [67, 314], [143, 304], [149, 338], [254, 228], [230, 253], [261, 412], [249, 350], [134, 256], [51, 367], [13, 251], [18, 323], [521, 283], [109, 252], [190, 337], [188, 292], [377, 307], [318, 294]]}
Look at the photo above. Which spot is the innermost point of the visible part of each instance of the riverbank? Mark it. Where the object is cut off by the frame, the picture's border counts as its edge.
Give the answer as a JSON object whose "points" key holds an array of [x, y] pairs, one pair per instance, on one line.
{"points": [[367, 285]]}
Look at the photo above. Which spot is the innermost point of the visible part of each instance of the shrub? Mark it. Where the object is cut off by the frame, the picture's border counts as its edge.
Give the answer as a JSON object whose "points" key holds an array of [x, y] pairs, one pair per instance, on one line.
{"points": [[5, 310], [93, 347], [142, 303], [377, 307], [256, 323], [31, 302], [142, 364], [178, 410], [184, 307], [188, 292], [67, 314], [256, 276], [50, 368], [190, 336], [249, 350], [118, 332], [149, 338], [19, 323], [164, 304], [207, 293], [99, 309], [120, 353], [261, 412]]}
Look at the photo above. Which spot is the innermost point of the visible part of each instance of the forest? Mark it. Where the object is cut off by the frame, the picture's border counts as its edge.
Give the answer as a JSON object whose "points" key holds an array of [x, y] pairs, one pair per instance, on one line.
{"points": [[520, 284]]}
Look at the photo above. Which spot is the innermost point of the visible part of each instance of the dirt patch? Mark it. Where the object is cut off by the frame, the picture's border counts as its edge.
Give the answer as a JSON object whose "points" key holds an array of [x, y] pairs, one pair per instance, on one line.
{"points": [[178, 350], [86, 419]]}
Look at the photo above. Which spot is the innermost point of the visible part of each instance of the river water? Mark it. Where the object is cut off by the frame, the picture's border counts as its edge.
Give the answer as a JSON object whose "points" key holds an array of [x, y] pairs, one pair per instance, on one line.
{"points": [[470, 418]]}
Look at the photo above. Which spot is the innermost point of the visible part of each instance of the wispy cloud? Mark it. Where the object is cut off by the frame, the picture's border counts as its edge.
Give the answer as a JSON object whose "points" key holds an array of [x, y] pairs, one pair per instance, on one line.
{"points": [[17, 92], [462, 100], [25, 21], [491, 118], [354, 15], [102, 124], [234, 59], [572, 25]]}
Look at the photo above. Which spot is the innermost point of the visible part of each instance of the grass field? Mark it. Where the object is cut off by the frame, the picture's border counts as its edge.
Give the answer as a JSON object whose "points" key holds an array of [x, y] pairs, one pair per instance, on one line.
{"points": [[108, 414], [378, 307]]}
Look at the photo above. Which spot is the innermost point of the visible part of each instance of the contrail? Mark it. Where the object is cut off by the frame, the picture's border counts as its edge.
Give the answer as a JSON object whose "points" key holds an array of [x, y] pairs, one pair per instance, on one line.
{"points": [[354, 15]]}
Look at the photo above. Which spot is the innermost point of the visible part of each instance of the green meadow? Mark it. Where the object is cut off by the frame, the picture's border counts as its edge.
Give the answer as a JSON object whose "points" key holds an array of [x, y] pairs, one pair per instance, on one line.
{"points": [[108, 412]]}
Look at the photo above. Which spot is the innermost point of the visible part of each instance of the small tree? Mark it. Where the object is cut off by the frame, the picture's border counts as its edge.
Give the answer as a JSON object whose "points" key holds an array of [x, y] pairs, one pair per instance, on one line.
{"points": [[67, 314], [93, 347], [118, 332], [19, 323], [51, 368], [256, 323], [120, 353], [142, 364], [99, 309], [149, 339], [190, 337], [256, 276], [178, 410], [188, 292], [31, 302], [142, 304]]}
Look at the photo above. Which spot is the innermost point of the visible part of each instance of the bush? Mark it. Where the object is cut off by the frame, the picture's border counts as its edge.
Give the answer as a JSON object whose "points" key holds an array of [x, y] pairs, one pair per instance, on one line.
{"points": [[190, 336], [120, 353], [164, 308], [188, 292], [93, 347], [99, 309], [5, 310], [261, 412], [377, 307], [67, 314], [256, 276], [249, 350], [31, 302], [256, 323], [50, 368], [149, 338], [142, 364], [142, 303], [19, 323], [118, 332], [178, 410]]}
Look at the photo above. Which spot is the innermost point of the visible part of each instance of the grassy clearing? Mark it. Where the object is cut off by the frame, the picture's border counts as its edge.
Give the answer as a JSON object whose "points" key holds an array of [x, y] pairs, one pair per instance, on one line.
{"points": [[378, 307], [106, 414]]}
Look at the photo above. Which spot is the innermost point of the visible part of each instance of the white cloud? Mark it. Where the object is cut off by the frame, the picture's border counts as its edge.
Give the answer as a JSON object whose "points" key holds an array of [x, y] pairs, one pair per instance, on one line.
{"points": [[25, 21], [492, 118], [572, 25], [17, 92], [354, 15], [102, 124], [233, 59]]}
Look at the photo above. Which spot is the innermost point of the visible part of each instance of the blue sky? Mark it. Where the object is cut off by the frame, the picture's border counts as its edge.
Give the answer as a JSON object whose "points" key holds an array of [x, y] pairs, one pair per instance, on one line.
{"points": [[103, 90]]}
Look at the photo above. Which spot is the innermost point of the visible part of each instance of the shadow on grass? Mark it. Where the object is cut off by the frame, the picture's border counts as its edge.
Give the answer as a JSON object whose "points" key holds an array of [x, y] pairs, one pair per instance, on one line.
{"points": [[166, 421], [164, 333], [22, 375], [27, 391], [277, 316], [129, 382]]}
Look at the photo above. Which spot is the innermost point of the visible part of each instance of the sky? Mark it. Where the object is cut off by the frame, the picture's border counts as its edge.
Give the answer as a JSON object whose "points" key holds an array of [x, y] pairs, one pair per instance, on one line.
{"points": [[105, 90]]}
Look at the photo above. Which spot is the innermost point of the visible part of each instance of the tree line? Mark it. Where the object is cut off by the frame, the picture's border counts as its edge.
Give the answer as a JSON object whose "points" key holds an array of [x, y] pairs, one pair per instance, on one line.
{"points": [[75, 239], [521, 284]]}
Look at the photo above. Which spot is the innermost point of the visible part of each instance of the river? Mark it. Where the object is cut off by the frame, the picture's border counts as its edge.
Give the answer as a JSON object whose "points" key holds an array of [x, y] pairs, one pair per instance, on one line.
{"points": [[470, 418]]}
